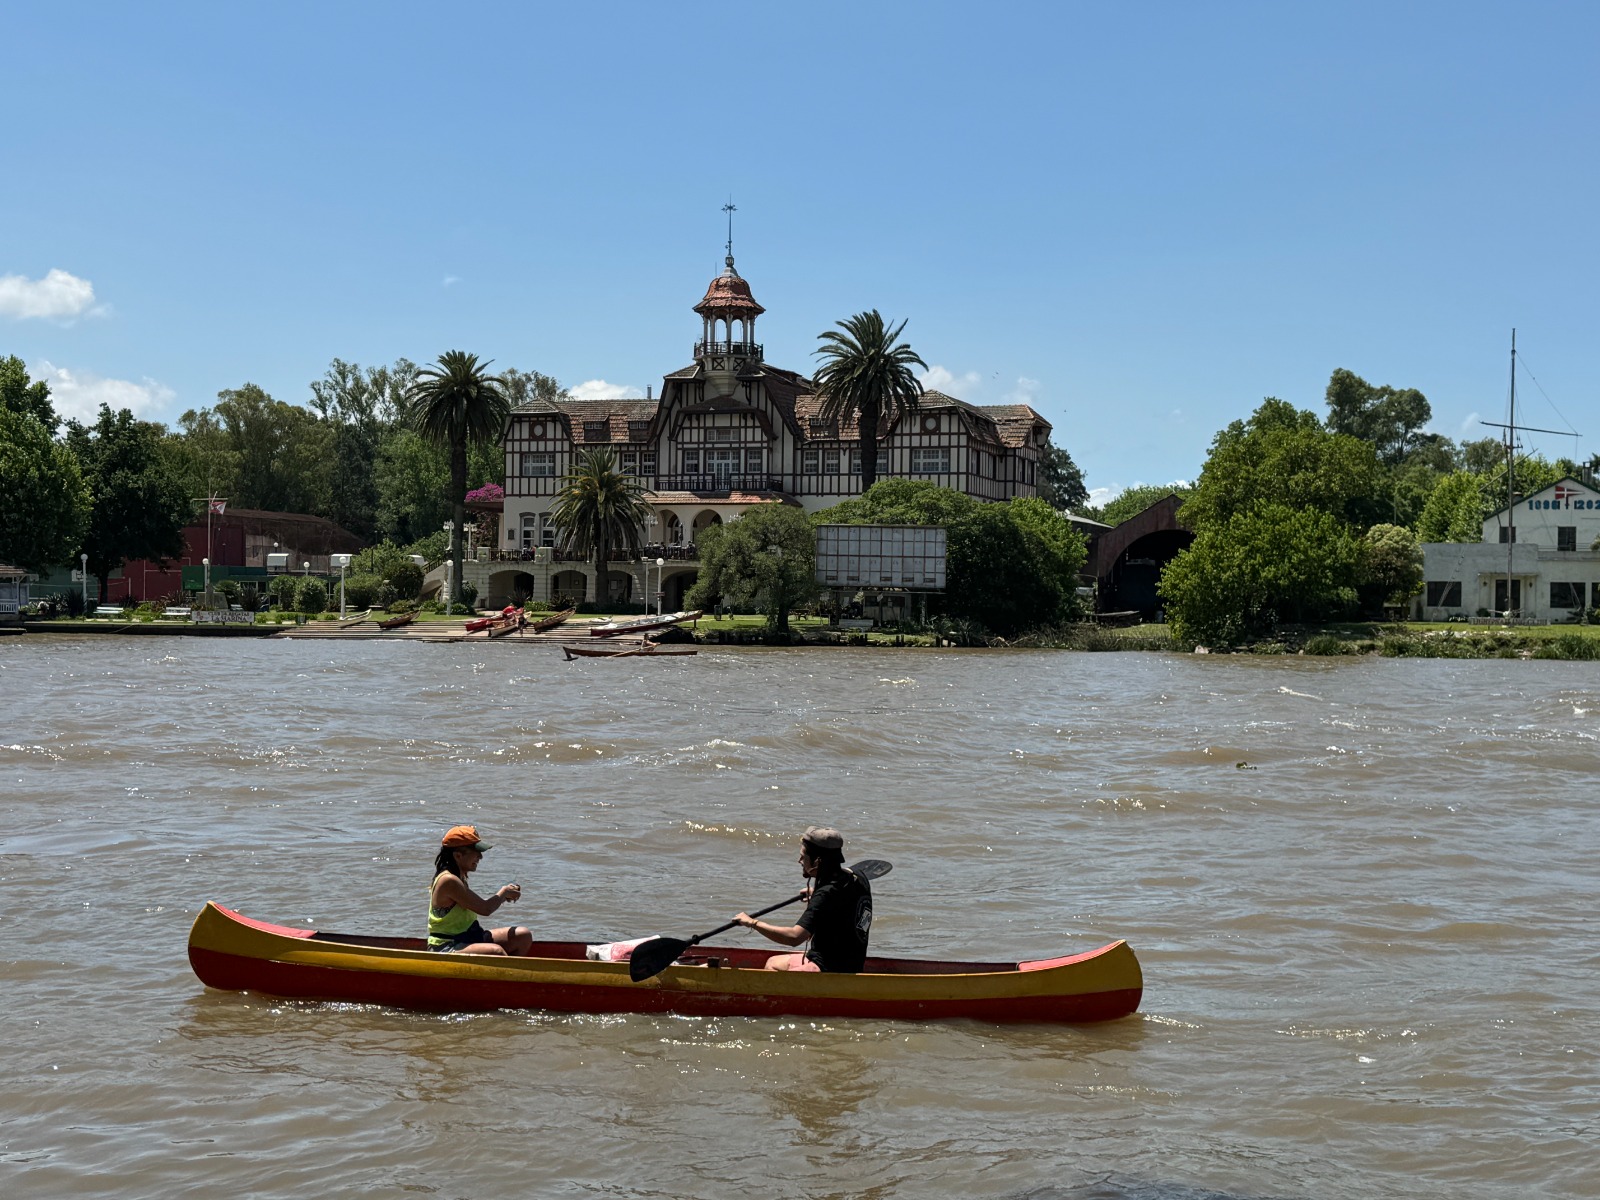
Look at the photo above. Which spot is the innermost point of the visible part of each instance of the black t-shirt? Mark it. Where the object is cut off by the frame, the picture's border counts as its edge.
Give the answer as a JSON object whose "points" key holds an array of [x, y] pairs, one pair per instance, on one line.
{"points": [[839, 918]]}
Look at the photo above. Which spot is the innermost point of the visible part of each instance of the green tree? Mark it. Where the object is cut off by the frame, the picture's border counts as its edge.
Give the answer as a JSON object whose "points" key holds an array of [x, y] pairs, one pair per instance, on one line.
{"points": [[455, 403], [599, 511], [866, 376], [285, 452], [412, 478], [1269, 563], [1453, 511], [1389, 419], [1389, 567], [202, 454], [1060, 481], [360, 406], [140, 505], [44, 501], [768, 556], [25, 397], [1284, 455]]}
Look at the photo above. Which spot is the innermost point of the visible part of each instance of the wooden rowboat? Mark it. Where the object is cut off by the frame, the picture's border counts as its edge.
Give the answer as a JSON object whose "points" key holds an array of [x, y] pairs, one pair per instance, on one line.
{"points": [[234, 953], [396, 622], [477, 624], [506, 625], [551, 621], [648, 650]]}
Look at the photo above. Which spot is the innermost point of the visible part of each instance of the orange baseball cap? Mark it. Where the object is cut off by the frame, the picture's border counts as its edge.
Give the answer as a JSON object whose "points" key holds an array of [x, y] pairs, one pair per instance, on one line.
{"points": [[464, 836]]}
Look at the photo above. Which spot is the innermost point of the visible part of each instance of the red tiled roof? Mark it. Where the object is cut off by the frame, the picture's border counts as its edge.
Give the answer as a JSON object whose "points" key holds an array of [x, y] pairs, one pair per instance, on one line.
{"points": [[729, 294]]}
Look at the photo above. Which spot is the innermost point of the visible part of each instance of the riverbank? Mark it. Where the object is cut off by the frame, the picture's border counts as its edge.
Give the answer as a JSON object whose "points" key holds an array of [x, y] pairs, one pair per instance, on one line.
{"points": [[1388, 640]]}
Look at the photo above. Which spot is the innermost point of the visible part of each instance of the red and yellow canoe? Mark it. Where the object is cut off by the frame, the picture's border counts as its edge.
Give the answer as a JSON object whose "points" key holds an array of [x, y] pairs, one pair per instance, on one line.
{"points": [[235, 953]]}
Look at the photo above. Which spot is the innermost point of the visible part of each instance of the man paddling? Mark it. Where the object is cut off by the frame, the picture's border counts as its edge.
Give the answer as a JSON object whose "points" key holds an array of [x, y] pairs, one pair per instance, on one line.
{"points": [[838, 919]]}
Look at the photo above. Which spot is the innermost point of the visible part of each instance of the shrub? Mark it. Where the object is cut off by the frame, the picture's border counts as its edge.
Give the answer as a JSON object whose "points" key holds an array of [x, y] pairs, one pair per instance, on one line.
{"points": [[469, 594], [283, 590], [1327, 643], [406, 579], [532, 606], [400, 607], [228, 588], [361, 591], [461, 610], [312, 596]]}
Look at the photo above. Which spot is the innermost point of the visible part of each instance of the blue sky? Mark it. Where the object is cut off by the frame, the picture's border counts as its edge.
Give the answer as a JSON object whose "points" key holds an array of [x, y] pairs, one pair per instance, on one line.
{"points": [[1140, 219]]}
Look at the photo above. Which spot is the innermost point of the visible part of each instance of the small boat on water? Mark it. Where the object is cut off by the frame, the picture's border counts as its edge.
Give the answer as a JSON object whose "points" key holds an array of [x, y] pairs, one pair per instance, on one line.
{"points": [[396, 622], [232, 952], [642, 624], [649, 649], [551, 621]]}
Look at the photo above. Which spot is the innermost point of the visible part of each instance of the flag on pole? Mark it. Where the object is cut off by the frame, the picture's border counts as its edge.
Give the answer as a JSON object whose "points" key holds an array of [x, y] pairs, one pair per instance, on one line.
{"points": [[218, 506]]}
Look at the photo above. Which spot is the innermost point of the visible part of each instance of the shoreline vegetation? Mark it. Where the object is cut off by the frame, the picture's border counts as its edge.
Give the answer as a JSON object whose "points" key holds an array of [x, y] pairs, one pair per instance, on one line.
{"points": [[1408, 639]]}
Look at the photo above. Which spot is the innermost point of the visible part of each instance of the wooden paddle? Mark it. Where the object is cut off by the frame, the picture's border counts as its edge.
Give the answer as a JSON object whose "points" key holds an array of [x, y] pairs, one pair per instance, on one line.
{"points": [[655, 956]]}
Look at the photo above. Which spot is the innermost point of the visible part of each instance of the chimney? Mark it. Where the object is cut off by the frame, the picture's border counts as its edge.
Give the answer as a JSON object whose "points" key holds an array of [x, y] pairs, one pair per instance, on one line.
{"points": [[649, 391]]}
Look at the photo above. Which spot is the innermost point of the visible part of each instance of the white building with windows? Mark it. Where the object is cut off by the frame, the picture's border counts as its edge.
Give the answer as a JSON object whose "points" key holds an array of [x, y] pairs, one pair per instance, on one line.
{"points": [[1536, 559], [727, 432]]}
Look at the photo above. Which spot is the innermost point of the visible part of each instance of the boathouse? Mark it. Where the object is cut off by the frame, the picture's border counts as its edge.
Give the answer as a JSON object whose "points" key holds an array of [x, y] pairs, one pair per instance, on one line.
{"points": [[1537, 560]]}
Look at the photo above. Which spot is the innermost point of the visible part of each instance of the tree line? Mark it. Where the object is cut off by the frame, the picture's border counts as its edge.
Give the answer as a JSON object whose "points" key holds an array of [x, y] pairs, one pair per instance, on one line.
{"points": [[1300, 518], [375, 450]]}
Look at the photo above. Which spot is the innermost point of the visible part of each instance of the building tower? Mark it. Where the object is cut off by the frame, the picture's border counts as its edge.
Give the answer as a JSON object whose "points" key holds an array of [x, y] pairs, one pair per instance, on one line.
{"points": [[721, 355]]}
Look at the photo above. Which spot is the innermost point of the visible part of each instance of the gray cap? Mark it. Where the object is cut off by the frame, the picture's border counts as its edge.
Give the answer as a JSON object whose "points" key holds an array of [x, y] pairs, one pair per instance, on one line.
{"points": [[824, 838]]}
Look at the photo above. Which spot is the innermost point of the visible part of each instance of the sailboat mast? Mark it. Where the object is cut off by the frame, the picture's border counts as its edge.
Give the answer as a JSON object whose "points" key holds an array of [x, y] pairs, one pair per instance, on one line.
{"points": [[1511, 501]]}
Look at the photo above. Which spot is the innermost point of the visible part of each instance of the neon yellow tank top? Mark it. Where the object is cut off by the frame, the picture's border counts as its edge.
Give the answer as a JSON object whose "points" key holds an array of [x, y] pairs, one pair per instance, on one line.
{"points": [[448, 925]]}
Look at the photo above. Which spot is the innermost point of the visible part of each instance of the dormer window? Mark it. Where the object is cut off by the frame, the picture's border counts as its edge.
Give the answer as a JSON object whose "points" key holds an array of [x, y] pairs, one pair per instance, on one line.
{"points": [[597, 431], [638, 430]]}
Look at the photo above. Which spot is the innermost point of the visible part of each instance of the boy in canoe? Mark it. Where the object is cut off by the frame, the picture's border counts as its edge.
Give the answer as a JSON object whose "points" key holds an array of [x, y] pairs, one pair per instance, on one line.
{"points": [[454, 908], [838, 919]]}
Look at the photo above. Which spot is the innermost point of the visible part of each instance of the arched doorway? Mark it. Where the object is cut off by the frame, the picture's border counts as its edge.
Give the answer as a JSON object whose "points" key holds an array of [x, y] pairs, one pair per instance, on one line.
{"points": [[673, 589], [568, 588], [705, 521], [508, 587], [672, 530]]}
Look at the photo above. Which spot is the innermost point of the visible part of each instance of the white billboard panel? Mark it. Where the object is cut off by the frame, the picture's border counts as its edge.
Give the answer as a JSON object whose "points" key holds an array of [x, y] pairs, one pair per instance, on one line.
{"points": [[881, 557]]}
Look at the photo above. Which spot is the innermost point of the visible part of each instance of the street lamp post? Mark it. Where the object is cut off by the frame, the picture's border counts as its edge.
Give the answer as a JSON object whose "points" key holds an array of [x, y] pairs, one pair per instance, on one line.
{"points": [[449, 564], [660, 583], [341, 590], [83, 579], [206, 562]]}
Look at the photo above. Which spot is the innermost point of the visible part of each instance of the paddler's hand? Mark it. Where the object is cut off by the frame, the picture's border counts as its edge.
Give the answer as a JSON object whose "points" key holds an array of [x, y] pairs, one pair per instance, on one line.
{"points": [[746, 920], [510, 894]]}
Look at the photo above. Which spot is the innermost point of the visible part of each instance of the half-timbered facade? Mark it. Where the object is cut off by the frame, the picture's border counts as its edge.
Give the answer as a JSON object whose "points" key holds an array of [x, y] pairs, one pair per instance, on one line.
{"points": [[730, 431]]}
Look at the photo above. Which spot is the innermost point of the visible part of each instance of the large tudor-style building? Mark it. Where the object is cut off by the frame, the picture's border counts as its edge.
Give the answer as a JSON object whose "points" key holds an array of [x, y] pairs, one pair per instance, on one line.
{"points": [[729, 431]]}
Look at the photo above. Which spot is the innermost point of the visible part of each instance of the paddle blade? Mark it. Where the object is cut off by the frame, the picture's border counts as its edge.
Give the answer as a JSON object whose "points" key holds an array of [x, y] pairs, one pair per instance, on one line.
{"points": [[872, 868], [654, 957]]}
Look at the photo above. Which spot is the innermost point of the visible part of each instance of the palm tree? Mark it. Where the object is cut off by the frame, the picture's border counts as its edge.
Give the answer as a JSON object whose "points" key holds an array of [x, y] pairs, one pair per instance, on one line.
{"points": [[453, 403], [866, 374], [598, 510]]}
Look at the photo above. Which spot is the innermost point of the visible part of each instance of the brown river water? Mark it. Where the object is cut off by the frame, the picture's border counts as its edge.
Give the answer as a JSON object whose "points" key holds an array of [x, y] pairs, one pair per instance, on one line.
{"points": [[1362, 890]]}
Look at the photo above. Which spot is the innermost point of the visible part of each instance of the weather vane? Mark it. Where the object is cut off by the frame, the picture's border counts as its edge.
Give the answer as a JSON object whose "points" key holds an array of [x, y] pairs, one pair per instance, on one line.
{"points": [[730, 209]]}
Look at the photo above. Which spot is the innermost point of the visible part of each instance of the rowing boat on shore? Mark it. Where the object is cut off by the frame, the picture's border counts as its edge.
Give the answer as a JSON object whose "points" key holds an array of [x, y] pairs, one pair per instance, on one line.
{"points": [[551, 621], [396, 622], [232, 952], [642, 624]]}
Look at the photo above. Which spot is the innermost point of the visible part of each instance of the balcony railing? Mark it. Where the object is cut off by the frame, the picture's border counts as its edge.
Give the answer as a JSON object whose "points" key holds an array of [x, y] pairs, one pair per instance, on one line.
{"points": [[552, 555], [719, 485], [730, 349]]}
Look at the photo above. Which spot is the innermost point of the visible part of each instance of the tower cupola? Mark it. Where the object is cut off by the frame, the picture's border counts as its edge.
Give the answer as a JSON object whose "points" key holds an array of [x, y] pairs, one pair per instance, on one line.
{"points": [[722, 349]]}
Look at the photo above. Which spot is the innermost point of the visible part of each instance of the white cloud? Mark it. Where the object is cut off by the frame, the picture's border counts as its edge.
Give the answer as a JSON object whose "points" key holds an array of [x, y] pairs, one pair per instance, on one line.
{"points": [[1098, 496], [79, 394], [450, 280], [599, 389], [1026, 391], [58, 295], [938, 379]]}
